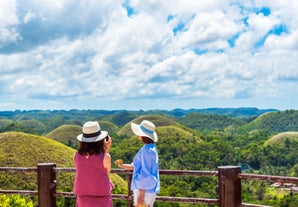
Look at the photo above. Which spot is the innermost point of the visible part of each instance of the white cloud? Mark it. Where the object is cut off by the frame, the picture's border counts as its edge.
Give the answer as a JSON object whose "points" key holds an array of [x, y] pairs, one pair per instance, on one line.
{"points": [[69, 51], [8, 21]]}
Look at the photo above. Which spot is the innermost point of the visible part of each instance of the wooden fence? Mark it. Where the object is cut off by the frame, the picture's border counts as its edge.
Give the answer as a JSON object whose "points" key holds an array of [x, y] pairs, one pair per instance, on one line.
{"points": [[229, 185]]}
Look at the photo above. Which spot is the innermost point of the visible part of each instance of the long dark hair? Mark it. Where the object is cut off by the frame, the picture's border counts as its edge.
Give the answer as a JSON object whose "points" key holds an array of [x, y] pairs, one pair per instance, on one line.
{"points": [[91, 148], [147, 140]]}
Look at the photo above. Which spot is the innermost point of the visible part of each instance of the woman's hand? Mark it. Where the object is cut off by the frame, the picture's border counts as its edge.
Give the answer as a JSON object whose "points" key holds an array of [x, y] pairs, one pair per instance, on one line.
{"points": [[107, 144], [107, 157], [120, 164]]}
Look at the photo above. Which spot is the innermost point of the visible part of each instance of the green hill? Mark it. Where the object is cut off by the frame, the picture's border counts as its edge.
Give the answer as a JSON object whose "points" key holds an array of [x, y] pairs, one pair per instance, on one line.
{"points": [[120, 118], [281, 154], [4, 123], [26, 150], [227, 141], [109, 126], [174, 145], [66, 134], [28, 126], [282, 138], [19, 149], [275, 122], [158, 120], [209, 122], [235, 112]]}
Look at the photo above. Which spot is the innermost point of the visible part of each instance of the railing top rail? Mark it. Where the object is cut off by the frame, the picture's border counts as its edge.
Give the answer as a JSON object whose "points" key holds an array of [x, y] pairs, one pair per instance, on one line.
{"points": [[268, 177], [189, 172], [162, 172], [22, 192], [167, 172], [15, 169], [119, 171], [252, 205]]}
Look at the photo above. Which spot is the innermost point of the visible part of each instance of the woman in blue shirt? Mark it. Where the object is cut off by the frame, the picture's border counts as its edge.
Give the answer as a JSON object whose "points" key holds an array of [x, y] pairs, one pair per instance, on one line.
{"points": [[145, 182]]}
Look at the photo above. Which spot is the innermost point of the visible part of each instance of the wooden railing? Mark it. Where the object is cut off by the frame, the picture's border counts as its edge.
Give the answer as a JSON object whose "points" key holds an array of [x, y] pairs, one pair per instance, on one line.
{"points": [[229, 185]]}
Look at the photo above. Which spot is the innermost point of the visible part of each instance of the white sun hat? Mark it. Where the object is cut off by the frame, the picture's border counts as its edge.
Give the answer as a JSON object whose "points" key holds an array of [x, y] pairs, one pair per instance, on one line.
{"points": [[92, 132], [146, 129]]}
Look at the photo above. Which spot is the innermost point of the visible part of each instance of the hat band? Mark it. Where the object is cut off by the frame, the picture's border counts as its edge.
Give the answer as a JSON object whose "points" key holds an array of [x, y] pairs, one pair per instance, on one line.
{"points": [[146, 130], [92, 135]]}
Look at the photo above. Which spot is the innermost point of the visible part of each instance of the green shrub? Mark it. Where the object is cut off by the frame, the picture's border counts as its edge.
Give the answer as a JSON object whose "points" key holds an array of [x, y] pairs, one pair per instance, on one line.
{"points": [[14, 201]]}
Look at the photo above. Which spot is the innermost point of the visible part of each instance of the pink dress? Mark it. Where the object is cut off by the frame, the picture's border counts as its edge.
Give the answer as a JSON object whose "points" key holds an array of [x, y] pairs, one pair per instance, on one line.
{"points": [[92, 185]]}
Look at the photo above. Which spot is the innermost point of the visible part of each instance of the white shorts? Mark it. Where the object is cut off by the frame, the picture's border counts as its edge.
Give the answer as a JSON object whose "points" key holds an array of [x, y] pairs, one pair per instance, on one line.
{"points": [[149, 197]]}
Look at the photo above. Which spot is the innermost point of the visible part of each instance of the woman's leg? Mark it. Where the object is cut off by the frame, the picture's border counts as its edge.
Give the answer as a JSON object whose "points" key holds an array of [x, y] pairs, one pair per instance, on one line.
{"points": [[149, 198]]}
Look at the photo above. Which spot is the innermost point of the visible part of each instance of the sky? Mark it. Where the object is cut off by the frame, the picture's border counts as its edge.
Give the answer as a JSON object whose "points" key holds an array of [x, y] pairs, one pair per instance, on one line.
{"points": [[142, 55]]}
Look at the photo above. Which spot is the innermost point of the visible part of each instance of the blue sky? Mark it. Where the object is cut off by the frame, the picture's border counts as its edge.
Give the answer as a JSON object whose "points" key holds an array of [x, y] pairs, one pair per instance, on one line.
{"points": [[65, 54]]}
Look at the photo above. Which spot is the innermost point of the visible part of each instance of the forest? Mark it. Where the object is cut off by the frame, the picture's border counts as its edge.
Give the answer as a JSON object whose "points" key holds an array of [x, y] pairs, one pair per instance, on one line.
{"points": [[260, 141]]}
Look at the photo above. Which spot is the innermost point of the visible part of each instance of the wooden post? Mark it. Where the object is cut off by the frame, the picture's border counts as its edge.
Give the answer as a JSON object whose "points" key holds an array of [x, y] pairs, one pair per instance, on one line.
{"points": [[46, 178], [130, 196], [229, 186]]}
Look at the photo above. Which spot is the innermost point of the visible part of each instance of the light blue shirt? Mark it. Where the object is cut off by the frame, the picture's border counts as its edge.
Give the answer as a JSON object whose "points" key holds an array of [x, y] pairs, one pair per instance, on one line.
{"points": [[145, 174]]}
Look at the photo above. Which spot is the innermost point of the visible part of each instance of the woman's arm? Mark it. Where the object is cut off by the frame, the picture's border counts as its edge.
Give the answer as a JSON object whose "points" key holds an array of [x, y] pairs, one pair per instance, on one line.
{"points": [[124, 166], [107, 157], [107, 162]]}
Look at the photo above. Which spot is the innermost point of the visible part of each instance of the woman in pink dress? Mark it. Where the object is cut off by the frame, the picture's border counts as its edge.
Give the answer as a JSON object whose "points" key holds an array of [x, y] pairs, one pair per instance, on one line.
{"points": [[92, 185]]}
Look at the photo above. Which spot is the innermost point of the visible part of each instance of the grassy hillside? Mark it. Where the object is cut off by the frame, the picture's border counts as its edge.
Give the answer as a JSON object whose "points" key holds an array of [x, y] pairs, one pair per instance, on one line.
{"points": [[123, 116], [227, 141], [174, 145], [109, 126], [19, 149], [28, 126], [282, 138], [236, 112], [66, 134], [26, 150], [209, 122], [4, 123], [120, 118], [158, 120], [281, 121]]}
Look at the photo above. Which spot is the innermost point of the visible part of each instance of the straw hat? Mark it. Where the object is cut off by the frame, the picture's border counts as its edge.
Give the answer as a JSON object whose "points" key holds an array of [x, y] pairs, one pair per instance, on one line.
{"points": [[92, 132], [146, 129]]}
